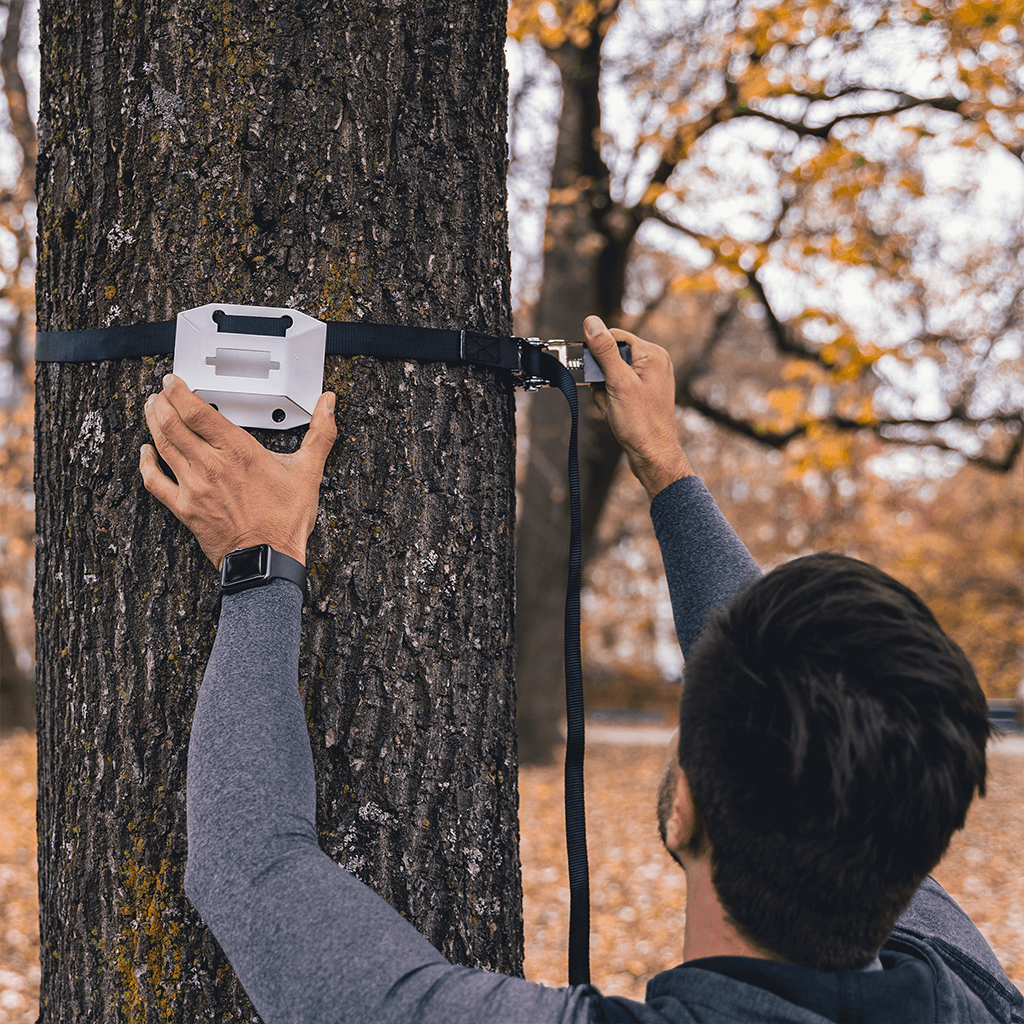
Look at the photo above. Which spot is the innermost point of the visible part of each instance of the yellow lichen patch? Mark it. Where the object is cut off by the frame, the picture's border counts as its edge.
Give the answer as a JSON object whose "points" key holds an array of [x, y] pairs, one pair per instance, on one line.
{"points": [[148, 946]]}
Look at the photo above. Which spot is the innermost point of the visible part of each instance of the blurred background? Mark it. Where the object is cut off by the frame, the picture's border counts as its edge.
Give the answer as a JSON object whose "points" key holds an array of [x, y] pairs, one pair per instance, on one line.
{"points": [[817, 206]]}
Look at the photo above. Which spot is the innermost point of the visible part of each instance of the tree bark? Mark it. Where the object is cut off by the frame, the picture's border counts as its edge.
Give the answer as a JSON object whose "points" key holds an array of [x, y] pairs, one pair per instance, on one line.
{"points": [[586, 242], [347, 160]]}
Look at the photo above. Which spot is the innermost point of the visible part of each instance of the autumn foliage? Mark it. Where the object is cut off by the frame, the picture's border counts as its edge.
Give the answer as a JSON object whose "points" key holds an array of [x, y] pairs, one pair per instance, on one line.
{"points": [[824, 162], [830, 245]]}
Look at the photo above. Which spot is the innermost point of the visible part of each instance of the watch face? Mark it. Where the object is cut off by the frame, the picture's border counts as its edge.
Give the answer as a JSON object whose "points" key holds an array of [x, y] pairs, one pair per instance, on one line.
{"points": [[243, 566]]}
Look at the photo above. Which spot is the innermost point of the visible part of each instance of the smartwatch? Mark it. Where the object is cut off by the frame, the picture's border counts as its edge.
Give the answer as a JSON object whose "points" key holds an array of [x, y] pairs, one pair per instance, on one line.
{"points": [[244, 568]]}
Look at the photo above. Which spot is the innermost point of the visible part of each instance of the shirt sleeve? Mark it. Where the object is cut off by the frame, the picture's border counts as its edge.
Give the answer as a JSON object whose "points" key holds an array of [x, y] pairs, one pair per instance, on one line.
{"points": [[705, 561], [308, 940], [936, 920]]}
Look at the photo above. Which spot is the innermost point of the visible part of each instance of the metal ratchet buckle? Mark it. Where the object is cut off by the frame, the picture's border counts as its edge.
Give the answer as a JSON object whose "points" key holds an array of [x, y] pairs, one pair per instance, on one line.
{"points": [[573, 355]]}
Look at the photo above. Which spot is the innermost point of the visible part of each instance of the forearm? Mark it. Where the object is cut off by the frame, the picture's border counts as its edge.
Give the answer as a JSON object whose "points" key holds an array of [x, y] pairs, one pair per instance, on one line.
{"points": [[660, 472], [251, 794], [705, 561], [299, 931], [308, 940]]}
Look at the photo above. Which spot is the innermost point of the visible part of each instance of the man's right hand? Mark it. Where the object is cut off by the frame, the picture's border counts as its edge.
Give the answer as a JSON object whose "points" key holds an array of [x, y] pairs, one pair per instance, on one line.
{"points": [[639, 404]]}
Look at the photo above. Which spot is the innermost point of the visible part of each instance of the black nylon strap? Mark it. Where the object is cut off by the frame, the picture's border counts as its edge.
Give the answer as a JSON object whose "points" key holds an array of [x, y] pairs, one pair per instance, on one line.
{"points": [[382, 341], [426, 344], [132, 342], [575, 808]]}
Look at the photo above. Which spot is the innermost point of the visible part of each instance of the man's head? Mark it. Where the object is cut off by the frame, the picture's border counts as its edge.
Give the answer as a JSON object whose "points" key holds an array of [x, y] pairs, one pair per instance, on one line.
{"points": [[832, 737]]}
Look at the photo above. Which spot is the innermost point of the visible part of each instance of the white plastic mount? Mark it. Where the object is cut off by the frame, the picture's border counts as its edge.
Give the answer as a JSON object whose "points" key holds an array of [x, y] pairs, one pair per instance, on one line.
{"points": [[255, 380]]}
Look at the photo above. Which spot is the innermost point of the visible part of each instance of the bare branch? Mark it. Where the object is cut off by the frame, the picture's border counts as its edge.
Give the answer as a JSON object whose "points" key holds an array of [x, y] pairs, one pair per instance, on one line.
{"points": [[783, 338], [687, 373], [904, 102], [1003, 465], [884, 429], [637, 323]]}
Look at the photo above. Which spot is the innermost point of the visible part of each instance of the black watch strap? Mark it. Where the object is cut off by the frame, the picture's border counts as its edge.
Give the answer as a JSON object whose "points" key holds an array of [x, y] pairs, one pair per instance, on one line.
{"points": [[244, 568]]}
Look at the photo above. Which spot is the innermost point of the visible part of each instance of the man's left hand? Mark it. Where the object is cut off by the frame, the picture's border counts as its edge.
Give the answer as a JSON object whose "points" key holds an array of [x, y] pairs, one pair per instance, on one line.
{"points": [[231, 491]]}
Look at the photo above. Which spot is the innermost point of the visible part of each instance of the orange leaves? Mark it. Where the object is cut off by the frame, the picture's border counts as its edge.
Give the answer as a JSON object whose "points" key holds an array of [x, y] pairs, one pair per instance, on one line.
{"points": [[790, 403], [791, 23], [556, 22], [847, 358], [739, 258], [976, 21], [703, 281], [654, 190], [844, 170], [822, 449]]}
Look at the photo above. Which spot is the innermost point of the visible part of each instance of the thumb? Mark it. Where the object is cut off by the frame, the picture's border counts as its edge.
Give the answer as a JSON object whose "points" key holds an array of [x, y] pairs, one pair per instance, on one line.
{"points": [[605, 349], [323, 431], [599, 338]]}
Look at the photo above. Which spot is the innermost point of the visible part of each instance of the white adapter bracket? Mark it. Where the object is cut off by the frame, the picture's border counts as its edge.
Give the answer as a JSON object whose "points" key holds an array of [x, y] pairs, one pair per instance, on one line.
{"points": [[261, 366]]}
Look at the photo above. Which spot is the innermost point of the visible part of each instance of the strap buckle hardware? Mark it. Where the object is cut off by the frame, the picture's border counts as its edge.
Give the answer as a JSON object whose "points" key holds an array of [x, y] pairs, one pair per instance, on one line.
{"points": [[528, 376], [573, 355]]}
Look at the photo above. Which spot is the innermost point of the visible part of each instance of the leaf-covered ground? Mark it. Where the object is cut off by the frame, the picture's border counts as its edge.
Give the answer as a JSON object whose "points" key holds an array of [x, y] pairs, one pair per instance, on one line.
{"points": [[637, 894]]}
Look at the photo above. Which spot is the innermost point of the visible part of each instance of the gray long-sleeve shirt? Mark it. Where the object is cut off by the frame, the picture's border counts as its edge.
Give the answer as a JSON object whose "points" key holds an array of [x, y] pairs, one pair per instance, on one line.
{"points": [[312, 944]]}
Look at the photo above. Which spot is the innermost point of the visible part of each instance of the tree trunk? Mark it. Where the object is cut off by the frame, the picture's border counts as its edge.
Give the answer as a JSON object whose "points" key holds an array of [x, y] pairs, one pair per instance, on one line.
{"points": [[347, 160], [16, 709], [586, 241]]}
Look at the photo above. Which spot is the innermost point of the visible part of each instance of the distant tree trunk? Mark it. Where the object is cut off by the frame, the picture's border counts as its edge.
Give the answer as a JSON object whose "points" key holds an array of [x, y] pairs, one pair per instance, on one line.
{"points": [[14, 288], [586, 242], [16, 710], [347, 160]]}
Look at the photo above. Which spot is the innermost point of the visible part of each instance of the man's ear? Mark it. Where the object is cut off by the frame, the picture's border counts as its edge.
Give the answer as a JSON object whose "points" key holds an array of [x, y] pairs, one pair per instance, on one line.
{"points": [[681, 821]]}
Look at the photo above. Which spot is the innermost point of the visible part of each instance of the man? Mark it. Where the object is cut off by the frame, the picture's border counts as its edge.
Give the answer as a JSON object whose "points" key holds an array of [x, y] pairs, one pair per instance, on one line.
{"points": [[831, 740]]}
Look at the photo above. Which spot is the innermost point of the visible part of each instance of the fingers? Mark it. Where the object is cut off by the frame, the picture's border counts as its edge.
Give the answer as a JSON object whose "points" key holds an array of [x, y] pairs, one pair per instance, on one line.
{"points": [[154, 479], [160, 413], [650, 362], [322, 433], [187, 430], [200, 418]]}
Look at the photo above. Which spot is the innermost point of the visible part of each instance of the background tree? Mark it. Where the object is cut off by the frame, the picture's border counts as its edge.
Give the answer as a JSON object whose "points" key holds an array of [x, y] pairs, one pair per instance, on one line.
{"points": [[954, 534], [17, 223], [826, 167], [348, 161]]}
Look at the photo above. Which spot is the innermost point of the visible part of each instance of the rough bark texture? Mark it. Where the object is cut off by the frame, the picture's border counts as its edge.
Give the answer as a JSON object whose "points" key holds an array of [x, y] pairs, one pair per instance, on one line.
{"points": [[584, 272], [347, 160]]}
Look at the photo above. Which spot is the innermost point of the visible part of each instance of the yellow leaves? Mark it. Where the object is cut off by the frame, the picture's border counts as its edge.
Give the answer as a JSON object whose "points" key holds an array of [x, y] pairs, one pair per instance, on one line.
{"points": [[754, 84], [841, 166], [847, 359], [789, 402], [831, 449], [862, 411], [973, 22], [798, 369], [704, 281], [738, 258], [654, 190], [822, 449], [556, 22], [912, 183], [848, 189]]}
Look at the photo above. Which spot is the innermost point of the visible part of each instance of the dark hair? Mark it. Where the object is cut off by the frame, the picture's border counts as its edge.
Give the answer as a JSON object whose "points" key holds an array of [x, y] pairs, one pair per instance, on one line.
{"points": [[832, 736]]}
